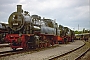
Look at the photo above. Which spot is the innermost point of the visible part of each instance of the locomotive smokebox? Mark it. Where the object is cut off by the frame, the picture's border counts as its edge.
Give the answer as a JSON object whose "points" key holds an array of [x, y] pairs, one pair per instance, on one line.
{"points": [[19, 8]]}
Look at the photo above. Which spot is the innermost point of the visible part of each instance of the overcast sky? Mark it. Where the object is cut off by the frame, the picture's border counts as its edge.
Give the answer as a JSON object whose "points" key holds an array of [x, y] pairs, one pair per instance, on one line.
{"points": [[70, 13]]}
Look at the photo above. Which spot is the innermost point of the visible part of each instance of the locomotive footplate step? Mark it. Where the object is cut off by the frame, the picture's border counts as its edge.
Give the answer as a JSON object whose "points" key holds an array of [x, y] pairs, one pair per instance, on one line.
{"points": [[50, 53]]}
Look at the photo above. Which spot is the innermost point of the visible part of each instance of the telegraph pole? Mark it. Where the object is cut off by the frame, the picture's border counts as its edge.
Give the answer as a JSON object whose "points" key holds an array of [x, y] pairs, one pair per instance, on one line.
{"points": [[78, 29]]}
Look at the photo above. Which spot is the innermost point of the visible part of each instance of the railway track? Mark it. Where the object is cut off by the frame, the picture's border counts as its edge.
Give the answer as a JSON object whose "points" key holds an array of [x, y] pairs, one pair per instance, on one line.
{"points": [[47, 57], [4, 45], [74, 54], [79, 57], [11, 52]]}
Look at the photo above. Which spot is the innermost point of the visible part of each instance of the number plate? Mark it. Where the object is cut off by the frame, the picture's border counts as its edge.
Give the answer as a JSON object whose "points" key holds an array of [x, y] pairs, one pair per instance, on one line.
{"points": [[15, 23]]}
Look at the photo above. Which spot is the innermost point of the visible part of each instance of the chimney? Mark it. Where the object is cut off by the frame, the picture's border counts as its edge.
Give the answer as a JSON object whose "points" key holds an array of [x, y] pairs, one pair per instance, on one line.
{"points": [[19, 8]]}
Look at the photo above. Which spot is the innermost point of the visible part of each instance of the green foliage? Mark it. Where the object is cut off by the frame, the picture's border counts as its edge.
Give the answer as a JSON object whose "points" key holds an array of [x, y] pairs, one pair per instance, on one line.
{"points": [[83, 31], [78, 32]]}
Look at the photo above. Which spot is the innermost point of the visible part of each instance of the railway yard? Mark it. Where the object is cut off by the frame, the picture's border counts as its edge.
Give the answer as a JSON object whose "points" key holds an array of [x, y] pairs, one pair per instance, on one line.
{"points": [[77, 50], [32, 37]]}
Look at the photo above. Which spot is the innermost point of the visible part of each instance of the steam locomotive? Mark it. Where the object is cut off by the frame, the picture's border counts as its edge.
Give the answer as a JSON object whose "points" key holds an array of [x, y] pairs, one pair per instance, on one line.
{"points": [[27, 31], [3, 32]]}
